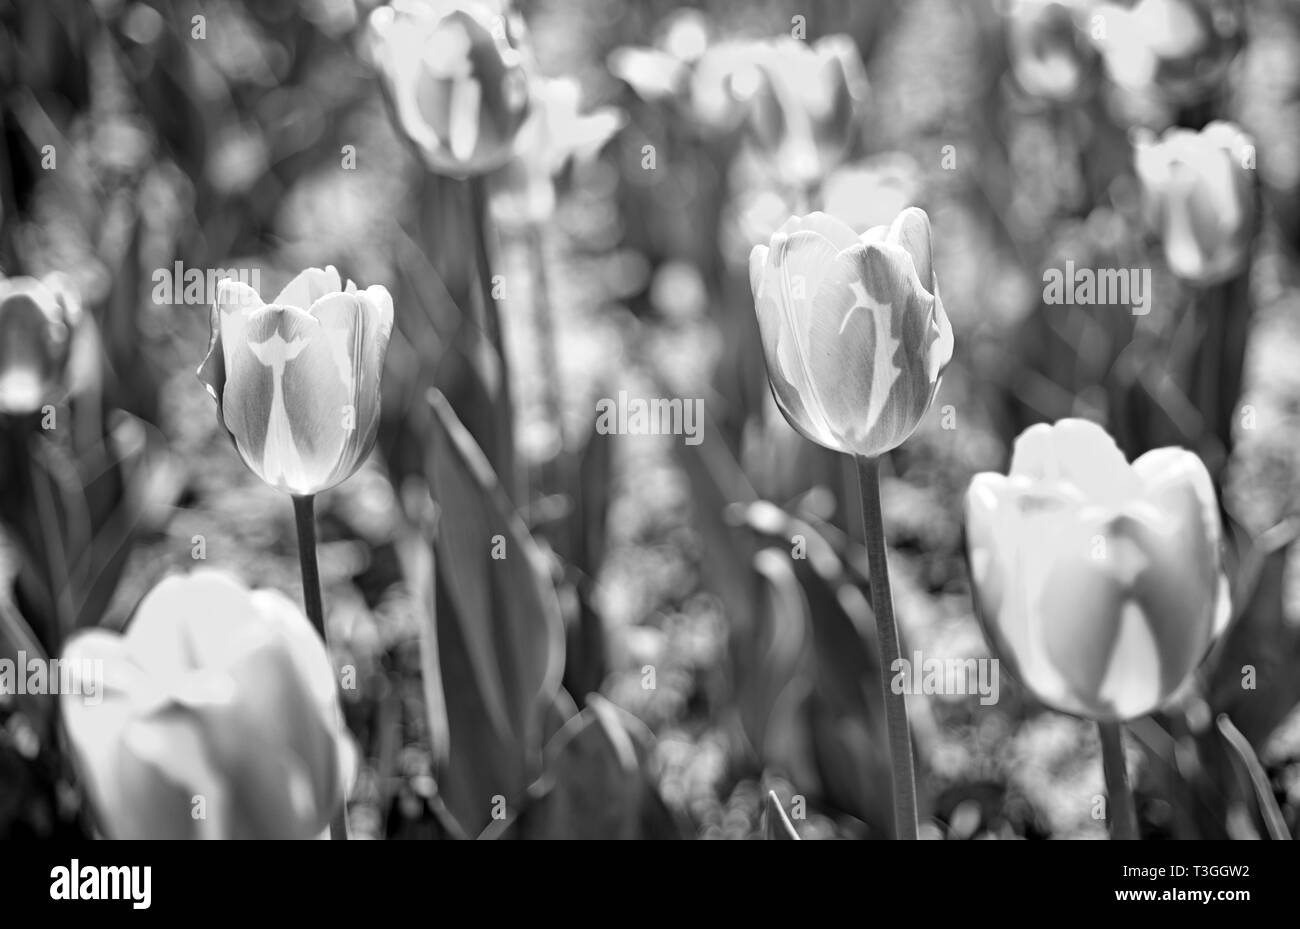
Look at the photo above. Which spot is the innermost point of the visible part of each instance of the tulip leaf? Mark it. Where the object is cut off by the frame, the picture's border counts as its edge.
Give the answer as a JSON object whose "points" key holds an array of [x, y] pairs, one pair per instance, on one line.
{"points": [[597, 785], [776, 825], [843, 710], [497, 638], [771, 677], [1262, 638], [17, 637], [1255, 774], [580, 539], [716, 481], [596, 780]]}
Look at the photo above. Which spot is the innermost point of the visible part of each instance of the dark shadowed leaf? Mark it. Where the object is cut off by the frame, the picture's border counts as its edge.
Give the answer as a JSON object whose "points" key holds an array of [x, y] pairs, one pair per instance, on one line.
{"points": [[1262, 642], [594, 769], [496, 646]]}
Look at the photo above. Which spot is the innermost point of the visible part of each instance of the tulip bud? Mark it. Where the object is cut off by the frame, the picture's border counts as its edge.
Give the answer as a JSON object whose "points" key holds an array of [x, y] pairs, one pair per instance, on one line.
{"points": [[297, 381], [1098, 581], [37, 320], [454, 77], [804, 104], [1051, 57], [854, 333], [217, 717], [1199, 195]]}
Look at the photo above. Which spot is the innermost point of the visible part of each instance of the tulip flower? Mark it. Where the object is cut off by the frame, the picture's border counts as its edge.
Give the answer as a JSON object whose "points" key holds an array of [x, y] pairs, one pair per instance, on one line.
{"points": [[37, 322], [856, 339], [1178, 49], [216, 717], [454, 77], [1199, 195], [297, 381], [854, 333], [804, 105], [1099, 581], [556, 134], [690, 70], [1051, 57]]}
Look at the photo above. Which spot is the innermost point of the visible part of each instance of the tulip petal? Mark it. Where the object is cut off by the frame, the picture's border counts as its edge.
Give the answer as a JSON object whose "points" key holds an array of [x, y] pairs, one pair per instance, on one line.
{"points": [[1080, 453], [233, 303], [286, 620], [377, 308], [911, 230], [163, 767], [94, 729], [834, 230], [308, 287], [400, 44], [218, 611], [870, 347], [286, 763], [1014, 538], [653, 75], [787, 278], [356, 329], [1181, 533], [1095, 632], [286, 402], [463, 117]]}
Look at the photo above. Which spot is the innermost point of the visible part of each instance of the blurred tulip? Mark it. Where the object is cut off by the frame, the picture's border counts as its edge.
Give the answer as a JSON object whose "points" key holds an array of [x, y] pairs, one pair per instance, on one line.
{"points": [[1199, 195], [297, 381], [1179, 49], [804, 104], [556, 133], [1099, 581], [1050, 54], [689, 69], [215, 695], [455, 79], [37, 323], [873, 191], [853, 330]]}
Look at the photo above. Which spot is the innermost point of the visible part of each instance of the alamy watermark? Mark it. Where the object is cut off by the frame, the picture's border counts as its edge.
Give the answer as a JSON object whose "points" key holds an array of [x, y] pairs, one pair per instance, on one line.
{"points": [[653, 416], [103, 882], [1100, 287], [197, 286], [44, 676], [948, 676]]}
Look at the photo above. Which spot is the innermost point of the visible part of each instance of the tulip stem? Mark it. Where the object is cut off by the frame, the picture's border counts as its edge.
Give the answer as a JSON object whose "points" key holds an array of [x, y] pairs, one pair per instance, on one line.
{"points": [[304, 515], [503, 461], [882, 603], [1120, 812]]}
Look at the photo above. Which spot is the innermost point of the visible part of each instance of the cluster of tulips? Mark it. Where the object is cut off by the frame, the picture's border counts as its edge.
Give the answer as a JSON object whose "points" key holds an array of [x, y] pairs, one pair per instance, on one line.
{"points": [[1099, 581]]}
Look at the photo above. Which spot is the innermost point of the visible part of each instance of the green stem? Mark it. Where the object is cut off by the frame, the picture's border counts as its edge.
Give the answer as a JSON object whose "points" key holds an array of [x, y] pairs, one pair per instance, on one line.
{"points": [[1120, 812], [478, 209], [304, 515], [882, 603], [490, 325]]}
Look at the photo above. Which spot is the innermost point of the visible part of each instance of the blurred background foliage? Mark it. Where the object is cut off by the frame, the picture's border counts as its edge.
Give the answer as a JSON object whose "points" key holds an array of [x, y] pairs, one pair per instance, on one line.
{"points": [[657, 654]]}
